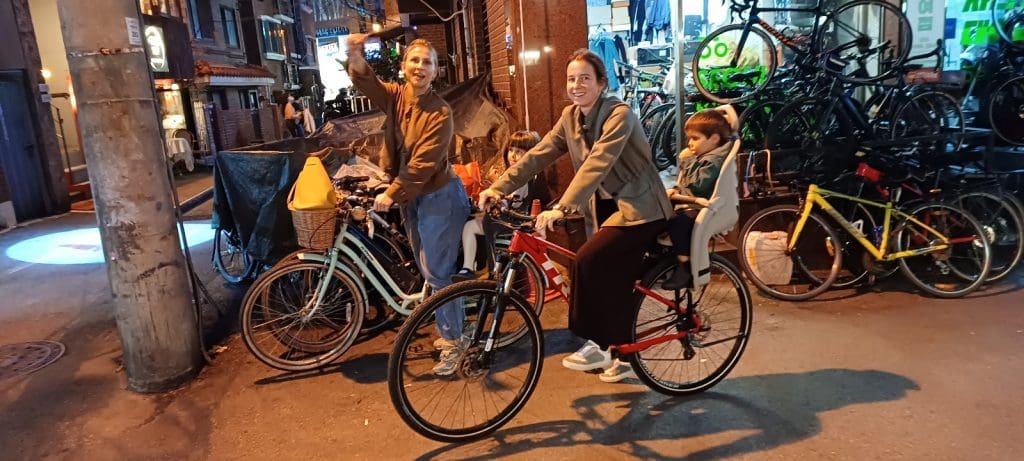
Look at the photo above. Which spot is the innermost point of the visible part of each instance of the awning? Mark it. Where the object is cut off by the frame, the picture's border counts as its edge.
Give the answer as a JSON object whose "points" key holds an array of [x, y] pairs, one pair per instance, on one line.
{"points": [[227, 75]]}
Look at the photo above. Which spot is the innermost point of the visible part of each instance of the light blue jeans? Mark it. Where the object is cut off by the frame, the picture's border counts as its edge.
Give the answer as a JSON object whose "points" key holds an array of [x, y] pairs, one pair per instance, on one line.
{"points": [[434, 223]]}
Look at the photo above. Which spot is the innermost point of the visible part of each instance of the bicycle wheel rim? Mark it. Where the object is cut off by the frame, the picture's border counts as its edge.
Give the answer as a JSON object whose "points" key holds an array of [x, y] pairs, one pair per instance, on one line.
{"points": [[713, 71], [723, 308], [1002, 225], [278, 329], [1006, 111], [460, 407], [754, 122], [1008, 20], [814, 261], [229, 258], [951, 273], [868, 22]]}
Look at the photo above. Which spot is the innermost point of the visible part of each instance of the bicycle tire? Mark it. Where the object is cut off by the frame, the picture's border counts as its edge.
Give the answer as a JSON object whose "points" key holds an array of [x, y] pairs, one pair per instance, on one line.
{"points": [[904, 41], [938, 112], [230, 270], [650, 369], [663, 145], [407, 347], [817, 279], [1016, 18], [755, 120], [931, 262], [703, 83], [1006, 110], [1003, 227], [652, 119], [317, 354]]}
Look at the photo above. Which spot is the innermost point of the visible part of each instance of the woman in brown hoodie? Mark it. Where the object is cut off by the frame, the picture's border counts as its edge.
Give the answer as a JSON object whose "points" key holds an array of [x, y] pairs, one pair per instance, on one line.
{"points": [[418, 131]]}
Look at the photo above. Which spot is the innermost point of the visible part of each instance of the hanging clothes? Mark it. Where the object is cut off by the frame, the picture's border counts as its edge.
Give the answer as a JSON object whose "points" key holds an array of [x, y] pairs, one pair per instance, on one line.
{"points": [[637, 21], [604, 46], [658, 14]]}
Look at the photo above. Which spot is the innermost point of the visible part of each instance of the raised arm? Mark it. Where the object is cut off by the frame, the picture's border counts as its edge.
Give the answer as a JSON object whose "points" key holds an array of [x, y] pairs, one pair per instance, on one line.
{"points": [[381, 94]]}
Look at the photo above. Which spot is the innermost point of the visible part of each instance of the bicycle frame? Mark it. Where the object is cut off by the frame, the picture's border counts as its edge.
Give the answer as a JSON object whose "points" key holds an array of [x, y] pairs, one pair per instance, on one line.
{"points": [[526, 244], [349, 252], [818, 196], [753, 19]]}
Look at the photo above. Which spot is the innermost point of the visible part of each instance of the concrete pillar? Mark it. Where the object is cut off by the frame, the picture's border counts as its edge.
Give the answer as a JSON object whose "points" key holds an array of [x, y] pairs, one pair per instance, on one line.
{"points": [[134, 206]]}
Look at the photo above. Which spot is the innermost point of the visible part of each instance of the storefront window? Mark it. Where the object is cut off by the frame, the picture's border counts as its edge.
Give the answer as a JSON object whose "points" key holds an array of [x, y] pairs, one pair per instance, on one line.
{"points": [[172, 110], [273, 38], [171, 8]]}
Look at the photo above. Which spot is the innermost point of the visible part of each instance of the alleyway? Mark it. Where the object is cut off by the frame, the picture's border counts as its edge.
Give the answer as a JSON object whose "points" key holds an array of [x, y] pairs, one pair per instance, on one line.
{"points": [[878, 375]]}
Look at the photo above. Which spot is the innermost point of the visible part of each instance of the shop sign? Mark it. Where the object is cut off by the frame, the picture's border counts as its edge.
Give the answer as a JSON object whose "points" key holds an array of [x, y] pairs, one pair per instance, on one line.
{"points": [[927, 20], [326, 32], [157, 49]]}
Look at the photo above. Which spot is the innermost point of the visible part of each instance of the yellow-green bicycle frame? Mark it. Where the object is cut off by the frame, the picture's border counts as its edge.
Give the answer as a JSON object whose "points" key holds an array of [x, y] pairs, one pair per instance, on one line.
{"points": [[818, 196]]}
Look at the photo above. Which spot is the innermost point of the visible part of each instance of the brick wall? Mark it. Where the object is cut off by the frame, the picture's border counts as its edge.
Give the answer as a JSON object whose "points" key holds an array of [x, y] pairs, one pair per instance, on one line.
{"points": [[498, 55], [235, 127], [434, 33]]}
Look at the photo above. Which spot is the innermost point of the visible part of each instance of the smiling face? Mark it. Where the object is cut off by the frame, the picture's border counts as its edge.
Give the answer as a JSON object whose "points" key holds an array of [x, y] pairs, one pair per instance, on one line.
{"points": [[582, 84], [419, 67]]}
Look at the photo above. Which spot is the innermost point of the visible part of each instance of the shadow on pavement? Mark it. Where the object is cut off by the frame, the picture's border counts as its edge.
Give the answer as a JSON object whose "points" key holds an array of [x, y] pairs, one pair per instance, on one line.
{"points": [[772, 410]]}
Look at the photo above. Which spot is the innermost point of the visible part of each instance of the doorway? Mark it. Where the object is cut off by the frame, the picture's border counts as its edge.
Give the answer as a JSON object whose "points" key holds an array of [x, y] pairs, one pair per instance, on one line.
{"points": [[19, 151]]}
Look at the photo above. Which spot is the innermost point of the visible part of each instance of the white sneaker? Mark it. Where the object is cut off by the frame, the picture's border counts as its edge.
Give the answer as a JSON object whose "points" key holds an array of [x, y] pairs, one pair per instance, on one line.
{"points": [[467, 331], [617, 372], [589, 357], [451, 354]]}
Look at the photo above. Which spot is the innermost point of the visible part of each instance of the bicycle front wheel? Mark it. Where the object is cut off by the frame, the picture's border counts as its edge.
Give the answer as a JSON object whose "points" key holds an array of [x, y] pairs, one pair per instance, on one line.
{"points": [[803, 273], [950, 273], [734, 63], [489, 385], [701, 340], [282, 325]]}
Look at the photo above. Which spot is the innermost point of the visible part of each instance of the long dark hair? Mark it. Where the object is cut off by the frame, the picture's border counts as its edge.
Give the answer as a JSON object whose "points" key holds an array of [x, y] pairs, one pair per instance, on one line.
{"points": [[595, 61]]}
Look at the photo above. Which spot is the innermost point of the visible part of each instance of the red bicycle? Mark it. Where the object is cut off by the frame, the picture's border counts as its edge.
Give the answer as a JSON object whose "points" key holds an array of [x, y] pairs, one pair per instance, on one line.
{"points": [[684, 342]]}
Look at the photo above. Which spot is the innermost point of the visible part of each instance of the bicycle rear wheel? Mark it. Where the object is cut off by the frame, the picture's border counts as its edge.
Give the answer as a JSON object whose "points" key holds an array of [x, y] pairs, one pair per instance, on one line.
{"points": [[1003, 229], [488, 388], [280, 329], [867, 24], [720, 79], [713, 329], [230, 258], [955, 271], [1006, 111], [813, 265]]}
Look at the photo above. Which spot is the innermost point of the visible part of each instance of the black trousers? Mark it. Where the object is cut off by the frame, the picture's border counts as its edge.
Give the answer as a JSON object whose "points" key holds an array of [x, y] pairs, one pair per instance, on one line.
{"points": [[603, 275], [680, 228]]}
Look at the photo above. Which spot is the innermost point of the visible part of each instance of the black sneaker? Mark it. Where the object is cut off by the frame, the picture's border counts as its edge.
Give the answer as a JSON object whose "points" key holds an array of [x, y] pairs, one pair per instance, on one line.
{"points": [[680, 279], [463, 274]]}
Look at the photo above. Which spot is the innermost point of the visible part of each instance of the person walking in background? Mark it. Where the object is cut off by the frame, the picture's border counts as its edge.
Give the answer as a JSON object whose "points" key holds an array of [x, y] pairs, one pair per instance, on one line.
{"points": [[293, 117]]}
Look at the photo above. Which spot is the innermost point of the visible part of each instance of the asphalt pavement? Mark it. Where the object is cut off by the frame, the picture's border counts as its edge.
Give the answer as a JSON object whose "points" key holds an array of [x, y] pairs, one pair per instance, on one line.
{"points": [[880, 374]]}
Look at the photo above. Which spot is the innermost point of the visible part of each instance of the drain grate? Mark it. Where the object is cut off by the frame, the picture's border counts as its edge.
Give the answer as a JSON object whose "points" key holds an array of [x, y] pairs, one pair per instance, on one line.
{"points": [[24, 358]]}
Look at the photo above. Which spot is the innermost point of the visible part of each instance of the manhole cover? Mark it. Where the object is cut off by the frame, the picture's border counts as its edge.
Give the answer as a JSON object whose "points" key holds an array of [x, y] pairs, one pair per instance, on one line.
{"points": [[24, 358]]}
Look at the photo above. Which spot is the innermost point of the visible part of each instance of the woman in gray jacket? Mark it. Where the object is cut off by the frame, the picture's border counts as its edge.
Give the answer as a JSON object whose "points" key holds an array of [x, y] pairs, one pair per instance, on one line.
{"points": [[613, 162]]}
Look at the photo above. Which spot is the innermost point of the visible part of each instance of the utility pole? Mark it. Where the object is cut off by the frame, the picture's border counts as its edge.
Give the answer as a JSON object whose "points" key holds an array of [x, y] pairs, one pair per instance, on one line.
{"points": [[117, 110]]}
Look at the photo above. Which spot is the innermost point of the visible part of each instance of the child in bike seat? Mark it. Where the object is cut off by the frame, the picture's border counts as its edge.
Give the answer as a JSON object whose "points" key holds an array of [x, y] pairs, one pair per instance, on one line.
{"points": [[519, 143], [709, 138]]}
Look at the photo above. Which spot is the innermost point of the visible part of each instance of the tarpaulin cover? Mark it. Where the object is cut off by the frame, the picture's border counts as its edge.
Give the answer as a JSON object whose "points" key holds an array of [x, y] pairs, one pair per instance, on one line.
{"points": [[250, 195]]}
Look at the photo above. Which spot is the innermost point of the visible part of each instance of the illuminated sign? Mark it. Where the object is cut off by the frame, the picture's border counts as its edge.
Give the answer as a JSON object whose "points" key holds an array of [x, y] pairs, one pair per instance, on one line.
{"points": [[157, 49]]}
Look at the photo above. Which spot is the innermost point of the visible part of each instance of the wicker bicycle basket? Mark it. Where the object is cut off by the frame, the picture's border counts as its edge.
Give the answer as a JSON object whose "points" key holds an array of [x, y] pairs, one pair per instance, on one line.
{"points": [[314, 229]]}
